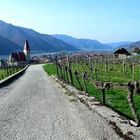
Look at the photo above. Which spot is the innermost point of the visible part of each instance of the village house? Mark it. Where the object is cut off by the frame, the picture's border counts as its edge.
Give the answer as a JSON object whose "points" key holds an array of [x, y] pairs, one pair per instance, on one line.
{"points": [[20, 58], [121, 53]]}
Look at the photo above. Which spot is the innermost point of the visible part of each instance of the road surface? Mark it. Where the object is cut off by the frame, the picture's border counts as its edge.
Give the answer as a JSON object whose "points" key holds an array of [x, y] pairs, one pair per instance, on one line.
{"points": [[34, 107]]}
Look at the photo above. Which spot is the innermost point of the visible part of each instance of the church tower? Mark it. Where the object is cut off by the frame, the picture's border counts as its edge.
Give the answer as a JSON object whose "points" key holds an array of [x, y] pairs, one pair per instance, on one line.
{"points": [[26, 51]]}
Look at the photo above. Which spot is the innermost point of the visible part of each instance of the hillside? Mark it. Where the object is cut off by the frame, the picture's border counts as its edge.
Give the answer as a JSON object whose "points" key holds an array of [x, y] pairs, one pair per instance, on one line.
{"points": [[131, 46], [84, 44], [38, 42], [7, 46], [117, 44], [134, 45]]}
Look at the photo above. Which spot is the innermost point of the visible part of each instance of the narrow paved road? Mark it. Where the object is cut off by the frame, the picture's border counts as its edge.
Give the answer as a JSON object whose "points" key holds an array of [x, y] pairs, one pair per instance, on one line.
{"points": [[35, 108]]}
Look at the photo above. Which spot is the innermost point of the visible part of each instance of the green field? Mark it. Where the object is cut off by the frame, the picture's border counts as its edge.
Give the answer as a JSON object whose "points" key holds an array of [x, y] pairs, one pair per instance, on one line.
{"points": [[116, 98]]}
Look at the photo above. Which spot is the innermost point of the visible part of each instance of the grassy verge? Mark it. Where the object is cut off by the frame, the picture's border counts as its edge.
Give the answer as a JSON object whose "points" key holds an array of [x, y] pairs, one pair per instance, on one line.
{"points": [[116, 98], [50, 69]]}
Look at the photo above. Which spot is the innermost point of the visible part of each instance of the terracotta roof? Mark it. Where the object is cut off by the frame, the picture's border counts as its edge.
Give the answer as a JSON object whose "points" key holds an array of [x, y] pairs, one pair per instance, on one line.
{"points": [[18, 56], [21, 56], [14, 56]]}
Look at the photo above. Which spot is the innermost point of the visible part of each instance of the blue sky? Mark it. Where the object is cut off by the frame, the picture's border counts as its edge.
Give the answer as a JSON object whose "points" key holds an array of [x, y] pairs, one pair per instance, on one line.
{"points": [[103, 20]]}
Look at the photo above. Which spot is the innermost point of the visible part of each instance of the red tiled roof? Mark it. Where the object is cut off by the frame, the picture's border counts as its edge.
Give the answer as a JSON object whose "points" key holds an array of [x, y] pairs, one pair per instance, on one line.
{"points": [[18, 56], [21, 56], [14, 56]]}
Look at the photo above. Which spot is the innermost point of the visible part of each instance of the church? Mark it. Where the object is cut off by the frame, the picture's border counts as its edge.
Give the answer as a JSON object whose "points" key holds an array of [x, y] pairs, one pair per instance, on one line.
{"points": [[20, 58]]}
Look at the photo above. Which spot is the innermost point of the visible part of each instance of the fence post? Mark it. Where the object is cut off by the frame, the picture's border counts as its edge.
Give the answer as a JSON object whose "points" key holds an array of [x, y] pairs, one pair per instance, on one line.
{"points": [[84, 77], [123, 65], [90, 67], [76, 73], [103, 93], [105, 86], [67, 77], [131, 87], [61, 74], [69, 69], [96, 75], [64, 73], [56, 62], [106, 66], [133, 70], [70, 73]]}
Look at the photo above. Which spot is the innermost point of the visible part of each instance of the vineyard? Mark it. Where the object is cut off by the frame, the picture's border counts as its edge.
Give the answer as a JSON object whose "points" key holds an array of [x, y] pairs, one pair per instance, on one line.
{"points": [[7, 71], [111, 81]]}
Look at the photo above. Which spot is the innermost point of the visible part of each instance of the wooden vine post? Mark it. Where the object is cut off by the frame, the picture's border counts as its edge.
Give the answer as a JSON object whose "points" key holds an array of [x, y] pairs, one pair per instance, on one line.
{"points": [[76, 73], [133, 85], [64, 72], [106, 66], [123, 65], [69, 70], [91, 69], [103, 94], [105, 86], [133, 70], [60, 68], [67, 76], [56, 63], [84, 77], [96, 75], [132, 67]]}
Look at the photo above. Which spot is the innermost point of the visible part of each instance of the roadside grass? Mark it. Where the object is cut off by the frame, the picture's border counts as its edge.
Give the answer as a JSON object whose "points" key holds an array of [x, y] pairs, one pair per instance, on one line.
{"points": [[116, 98], [50, 69]]}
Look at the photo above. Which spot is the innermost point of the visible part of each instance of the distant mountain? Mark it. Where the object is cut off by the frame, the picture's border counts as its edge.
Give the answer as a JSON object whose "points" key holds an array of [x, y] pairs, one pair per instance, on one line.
{"points": [[117, 44], [84, 44], [37, 41], [132, 45], [7, 46]]}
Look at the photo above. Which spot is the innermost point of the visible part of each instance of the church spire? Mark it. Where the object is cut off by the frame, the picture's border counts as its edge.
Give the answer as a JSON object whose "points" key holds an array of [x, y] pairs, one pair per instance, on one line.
{"points": [[26, 46], [26, 51]]}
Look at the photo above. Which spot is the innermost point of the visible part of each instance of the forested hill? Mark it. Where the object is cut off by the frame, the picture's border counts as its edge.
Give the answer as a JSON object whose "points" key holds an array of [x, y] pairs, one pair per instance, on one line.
{"points": [[38, 41]]}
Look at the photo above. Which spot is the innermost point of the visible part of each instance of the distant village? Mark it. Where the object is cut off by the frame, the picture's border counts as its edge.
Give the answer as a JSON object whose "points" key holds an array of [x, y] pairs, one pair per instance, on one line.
{"points": [[24, 57]]}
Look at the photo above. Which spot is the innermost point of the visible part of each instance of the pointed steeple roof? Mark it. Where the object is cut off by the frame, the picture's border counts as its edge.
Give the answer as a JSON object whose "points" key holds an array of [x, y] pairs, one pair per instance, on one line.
{"points": [[26, 46]]}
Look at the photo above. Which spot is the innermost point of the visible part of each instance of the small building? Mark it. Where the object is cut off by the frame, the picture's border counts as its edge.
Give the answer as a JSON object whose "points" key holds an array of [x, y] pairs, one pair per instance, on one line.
{"points": [[20, 58], [17, 58], [121, 53]]}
